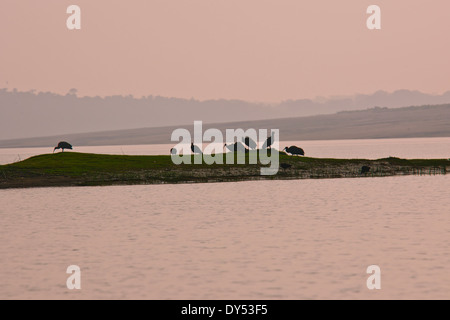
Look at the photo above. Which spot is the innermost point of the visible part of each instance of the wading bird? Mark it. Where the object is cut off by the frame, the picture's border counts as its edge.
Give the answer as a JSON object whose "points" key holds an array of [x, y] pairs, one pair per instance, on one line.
{"points": [[294, 150], [269, 141], [63, 145], [250, 143], [195, 149], [236, 147]]}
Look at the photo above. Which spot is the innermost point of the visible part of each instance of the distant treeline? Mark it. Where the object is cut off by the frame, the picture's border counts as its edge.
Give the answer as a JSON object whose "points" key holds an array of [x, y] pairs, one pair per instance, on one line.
{"points": [[37, 114]]}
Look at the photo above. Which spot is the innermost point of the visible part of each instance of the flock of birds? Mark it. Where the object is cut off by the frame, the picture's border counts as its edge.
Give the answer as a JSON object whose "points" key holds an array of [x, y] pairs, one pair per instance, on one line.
{"points": [[248, 144], [244, 146]]}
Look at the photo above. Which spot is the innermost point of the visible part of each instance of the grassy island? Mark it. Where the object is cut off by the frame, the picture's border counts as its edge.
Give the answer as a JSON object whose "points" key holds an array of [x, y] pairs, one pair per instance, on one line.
{"points": [[81, 169]]}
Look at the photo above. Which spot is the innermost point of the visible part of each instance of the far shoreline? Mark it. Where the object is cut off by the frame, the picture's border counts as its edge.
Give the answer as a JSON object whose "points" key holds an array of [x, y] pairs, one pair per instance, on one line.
{"points": [[170, 143]]}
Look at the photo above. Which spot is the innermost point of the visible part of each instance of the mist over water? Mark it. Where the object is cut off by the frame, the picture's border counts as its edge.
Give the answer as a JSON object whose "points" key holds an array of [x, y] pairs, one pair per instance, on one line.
{"points": [[134, 72]]}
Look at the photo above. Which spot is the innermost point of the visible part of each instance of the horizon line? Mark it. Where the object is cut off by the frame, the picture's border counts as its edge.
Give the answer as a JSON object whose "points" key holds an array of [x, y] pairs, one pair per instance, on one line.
{"points": [[318, 99]]}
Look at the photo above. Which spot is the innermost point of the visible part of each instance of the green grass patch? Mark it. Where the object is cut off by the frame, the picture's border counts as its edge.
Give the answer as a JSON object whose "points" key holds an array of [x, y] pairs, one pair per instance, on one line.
{"points": [[72, 168]]}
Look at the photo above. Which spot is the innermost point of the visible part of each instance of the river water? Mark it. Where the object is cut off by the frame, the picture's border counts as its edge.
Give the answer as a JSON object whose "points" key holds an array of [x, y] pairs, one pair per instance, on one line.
{"points": [[296, 239]]}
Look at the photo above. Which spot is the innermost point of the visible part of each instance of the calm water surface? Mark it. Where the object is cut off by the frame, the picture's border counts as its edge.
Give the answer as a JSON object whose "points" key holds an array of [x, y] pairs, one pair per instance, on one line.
{"points": [[247, 240]]}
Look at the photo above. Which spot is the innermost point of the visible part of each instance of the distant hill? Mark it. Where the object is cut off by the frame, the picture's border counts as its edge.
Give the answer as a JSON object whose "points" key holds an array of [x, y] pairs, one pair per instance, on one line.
{"points": [[374, 123], [32, 114]]}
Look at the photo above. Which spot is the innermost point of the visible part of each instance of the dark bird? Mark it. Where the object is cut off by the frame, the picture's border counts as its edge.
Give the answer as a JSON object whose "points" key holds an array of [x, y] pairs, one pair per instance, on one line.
{"points": [[63, 145], [285, 166], [235, 147], [294, 151], [365, 169], [195, 149], [269, 141], [173, 151], [250, 143]]}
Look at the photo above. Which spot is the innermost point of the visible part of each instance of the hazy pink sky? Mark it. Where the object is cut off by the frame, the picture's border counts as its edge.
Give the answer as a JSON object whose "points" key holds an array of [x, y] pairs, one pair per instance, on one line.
{"points": [[258, 50]]}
